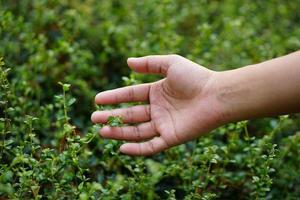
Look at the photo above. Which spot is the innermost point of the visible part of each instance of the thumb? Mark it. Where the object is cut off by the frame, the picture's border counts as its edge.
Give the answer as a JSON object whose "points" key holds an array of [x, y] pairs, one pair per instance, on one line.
{"points": [[156, 64]]}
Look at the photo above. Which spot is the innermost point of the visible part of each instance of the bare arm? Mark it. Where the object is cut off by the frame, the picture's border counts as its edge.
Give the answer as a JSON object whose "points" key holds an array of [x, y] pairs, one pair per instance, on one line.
{"points": [[192, 100], [266, 89]]}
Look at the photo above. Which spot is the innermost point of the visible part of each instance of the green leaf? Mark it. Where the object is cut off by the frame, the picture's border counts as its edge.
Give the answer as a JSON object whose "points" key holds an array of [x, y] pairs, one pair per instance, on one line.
{"points": [[66, 87], [71, 101], [2, 63], [115, 121]]}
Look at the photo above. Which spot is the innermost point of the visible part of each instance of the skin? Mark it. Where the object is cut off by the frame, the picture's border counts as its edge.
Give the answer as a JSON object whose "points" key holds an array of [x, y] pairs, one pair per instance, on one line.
{"points": [[192, 100]]}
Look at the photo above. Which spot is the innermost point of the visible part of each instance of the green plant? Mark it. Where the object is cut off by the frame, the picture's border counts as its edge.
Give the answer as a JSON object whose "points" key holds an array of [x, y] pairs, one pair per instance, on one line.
{"points": [[49, 148], [115, 121]]}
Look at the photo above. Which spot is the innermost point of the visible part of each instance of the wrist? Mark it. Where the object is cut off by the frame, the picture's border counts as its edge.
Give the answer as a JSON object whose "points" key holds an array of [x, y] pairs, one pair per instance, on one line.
{"points": [[218, 89], [241, 93], [232, 96]]}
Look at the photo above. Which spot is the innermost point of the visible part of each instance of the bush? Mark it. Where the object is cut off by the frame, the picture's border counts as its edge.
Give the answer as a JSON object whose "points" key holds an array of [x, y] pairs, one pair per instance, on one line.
{"points": [[49, 148]]}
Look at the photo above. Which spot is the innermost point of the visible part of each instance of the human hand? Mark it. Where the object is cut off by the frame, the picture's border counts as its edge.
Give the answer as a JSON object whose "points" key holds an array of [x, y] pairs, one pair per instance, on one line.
{"points": [[182, 106]]}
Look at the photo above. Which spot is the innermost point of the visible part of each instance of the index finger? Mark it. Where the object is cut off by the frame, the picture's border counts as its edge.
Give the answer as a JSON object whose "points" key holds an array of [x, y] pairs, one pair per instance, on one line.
{"points": [[135, 93]]}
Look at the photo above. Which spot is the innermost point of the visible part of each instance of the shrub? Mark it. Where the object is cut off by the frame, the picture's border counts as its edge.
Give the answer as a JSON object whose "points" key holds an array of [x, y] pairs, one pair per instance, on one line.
{"points": [[59, 53]]}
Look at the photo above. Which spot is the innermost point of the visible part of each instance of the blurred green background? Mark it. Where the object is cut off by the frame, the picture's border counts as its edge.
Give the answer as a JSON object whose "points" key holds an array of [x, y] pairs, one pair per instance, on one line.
{"points": [[86, 43]]}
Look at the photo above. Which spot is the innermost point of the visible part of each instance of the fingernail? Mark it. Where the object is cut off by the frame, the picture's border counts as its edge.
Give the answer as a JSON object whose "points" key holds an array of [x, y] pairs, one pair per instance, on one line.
{"points": [[132, 59], [94, 116], [96, 97], [103, 130], [121, 149]]}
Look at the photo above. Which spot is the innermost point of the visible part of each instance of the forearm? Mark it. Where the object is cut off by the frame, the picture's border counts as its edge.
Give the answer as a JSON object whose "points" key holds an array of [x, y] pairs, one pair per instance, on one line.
{"points": [[266, 89]]}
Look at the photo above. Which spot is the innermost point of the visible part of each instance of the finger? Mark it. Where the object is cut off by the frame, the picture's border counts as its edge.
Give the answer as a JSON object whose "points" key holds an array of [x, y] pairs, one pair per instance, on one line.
{"points": [[158, 64], [136, 93], [135, 114], [130, 133], [151, 147]]}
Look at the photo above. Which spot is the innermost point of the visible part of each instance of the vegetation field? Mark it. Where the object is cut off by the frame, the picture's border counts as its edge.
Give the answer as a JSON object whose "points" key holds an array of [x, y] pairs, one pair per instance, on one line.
{"points": [[56, 55]]}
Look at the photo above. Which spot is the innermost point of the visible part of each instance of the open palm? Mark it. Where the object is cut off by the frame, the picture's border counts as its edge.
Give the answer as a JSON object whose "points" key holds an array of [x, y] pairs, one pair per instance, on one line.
{"points": [[181, 106]]}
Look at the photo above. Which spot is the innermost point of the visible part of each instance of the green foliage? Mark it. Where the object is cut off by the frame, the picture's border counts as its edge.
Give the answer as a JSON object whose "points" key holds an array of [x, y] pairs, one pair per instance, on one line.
{"points": [[115, 121], [49, 148]]}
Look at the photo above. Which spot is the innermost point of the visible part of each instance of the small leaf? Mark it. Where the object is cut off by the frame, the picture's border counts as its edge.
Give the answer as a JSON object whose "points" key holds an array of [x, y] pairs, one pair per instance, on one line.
{"points": [[66, 87], [1, 61], [115, 121], [71, 101]]}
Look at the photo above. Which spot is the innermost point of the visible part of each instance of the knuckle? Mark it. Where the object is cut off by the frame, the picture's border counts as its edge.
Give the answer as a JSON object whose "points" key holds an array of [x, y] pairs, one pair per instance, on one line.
{"points": [[147, 111], [152, 125], [122, 133], [137, 133], [131, 94], [147, 63], [175, 56], [151, 147], [129, 114]]}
